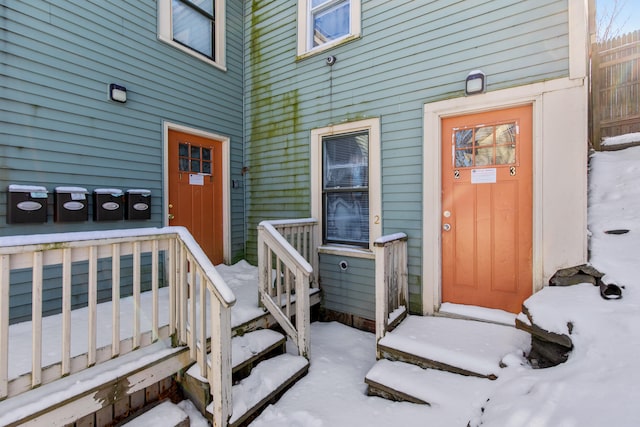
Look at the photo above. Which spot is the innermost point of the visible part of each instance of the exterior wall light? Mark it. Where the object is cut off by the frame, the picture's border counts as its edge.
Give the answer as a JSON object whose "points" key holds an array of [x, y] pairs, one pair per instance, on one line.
{"points": [[476, 82], [117, 93]]}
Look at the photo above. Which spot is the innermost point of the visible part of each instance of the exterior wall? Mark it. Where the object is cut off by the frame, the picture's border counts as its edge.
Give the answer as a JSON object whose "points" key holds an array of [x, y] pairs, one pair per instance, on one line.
{"points": [[60, 129], [408, 55]]}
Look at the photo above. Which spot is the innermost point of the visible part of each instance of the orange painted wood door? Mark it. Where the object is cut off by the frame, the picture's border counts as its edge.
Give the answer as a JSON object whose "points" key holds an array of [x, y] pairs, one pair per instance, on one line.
{"points": [[195, 190], [487, 201]]}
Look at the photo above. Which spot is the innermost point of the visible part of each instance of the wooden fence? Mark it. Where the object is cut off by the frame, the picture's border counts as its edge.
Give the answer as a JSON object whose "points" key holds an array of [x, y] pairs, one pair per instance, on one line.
{"points": [[615, 92]]}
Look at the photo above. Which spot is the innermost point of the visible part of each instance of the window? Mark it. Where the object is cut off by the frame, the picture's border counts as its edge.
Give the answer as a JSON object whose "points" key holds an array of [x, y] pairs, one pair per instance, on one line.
{"points": [[345, 188], [194, 26], [346, 183], [194, 159], [485, 145], [325, 23]]}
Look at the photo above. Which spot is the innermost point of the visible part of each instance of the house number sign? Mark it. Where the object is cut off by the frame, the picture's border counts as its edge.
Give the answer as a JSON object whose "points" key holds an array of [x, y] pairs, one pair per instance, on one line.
{"points": [[456, 174], [512, 171]]}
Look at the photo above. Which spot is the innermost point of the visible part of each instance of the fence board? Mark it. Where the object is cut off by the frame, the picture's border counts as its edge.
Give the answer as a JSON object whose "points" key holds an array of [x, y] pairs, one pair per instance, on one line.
{"points": [[615, 87]]}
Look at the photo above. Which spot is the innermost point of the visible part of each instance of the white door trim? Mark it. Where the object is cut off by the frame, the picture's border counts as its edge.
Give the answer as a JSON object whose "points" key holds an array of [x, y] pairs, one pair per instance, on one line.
{"points": [[432, 185], [226, 176]]}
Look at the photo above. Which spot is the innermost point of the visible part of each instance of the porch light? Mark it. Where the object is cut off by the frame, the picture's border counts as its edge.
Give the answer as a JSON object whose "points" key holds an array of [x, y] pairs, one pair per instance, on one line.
{"points": [[475, 83], [117, 93]]}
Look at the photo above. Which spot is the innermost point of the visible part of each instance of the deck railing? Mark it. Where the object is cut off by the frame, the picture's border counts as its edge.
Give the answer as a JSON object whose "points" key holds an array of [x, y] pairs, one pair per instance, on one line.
{"points": [[286, 255], [392, 289], [199, 306]]}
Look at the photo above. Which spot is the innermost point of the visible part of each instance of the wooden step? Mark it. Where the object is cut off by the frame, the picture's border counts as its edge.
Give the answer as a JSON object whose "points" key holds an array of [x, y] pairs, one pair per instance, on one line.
{"points": [[165, 414], [267, 382], [460, 346], [246, 351], [401, 381]]}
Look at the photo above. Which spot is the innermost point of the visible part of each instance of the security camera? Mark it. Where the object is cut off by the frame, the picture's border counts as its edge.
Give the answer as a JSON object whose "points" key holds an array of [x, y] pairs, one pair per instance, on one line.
{"points": [[331, 60]]}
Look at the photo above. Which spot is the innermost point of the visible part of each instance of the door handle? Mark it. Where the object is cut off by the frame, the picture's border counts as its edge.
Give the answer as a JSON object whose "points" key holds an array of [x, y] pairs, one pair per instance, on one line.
{"points": [[446, 227], [171, 216]]}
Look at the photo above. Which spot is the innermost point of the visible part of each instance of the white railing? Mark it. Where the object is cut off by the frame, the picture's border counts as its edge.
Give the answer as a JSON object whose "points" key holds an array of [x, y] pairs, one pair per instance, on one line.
{"points": [[392, 289], [286, 255], [198, 306]]}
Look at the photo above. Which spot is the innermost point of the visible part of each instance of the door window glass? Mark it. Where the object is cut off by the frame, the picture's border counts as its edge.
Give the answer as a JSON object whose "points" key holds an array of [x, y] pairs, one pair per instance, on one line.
{"points": [[194, 158], [485, 145]]}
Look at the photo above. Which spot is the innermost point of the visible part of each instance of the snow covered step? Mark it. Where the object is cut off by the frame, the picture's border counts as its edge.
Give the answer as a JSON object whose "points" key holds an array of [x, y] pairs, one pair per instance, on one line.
{"points": [[267, 382], [246, 351], [166, 414], [461, 346], [406, 382]]}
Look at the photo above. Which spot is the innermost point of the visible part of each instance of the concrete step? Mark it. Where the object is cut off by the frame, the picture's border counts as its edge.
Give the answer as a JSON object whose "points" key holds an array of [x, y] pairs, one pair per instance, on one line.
{"points": [[267, 382], [463, 347], [400, 381], [165, 414]]}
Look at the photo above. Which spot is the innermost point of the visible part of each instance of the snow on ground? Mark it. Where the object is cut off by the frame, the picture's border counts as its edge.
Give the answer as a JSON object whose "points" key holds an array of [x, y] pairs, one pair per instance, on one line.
{"points": [[598, 386]]}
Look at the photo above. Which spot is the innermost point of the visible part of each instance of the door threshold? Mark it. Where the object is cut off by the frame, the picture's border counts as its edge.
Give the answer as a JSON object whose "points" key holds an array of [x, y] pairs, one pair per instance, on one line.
{"points": [[473, 312]]}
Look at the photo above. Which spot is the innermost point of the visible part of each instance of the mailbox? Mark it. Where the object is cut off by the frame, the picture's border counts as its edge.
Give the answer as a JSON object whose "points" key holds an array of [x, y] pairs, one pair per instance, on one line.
{"points": [[108, 204], [138, 204], [71, 204], [26, 204]]}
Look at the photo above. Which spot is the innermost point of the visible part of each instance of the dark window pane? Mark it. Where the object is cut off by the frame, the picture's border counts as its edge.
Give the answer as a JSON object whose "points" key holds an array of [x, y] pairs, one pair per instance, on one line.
{"points": [[346, 161], [347, 217], [184, 165], [183, 150], [463, 138], [195, 166], [195, 152], [206, 167], [464, 158], [206, 154]]}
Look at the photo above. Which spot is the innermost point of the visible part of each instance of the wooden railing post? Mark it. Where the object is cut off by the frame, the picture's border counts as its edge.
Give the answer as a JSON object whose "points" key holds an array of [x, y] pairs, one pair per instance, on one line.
{"points": [[391, 281]]}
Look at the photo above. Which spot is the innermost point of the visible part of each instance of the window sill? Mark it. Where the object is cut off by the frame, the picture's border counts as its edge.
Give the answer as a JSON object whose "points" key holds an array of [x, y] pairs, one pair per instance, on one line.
{"points": [[192, 53], [325, 47], [346, 251]]}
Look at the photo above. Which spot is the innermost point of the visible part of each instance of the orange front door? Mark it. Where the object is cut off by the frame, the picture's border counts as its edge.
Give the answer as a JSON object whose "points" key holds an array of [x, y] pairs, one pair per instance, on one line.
{"points": [[487, 208], [195, 190]]}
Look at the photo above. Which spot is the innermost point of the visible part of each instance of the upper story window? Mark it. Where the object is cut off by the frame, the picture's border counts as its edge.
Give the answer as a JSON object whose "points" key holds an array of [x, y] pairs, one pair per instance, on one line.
{"points": [[325, 23], [195, 27]]}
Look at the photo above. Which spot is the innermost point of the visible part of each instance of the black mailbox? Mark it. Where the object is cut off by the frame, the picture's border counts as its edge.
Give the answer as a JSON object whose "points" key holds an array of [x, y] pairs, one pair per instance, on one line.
{"points": [[71, 204], [138, 204], [26, 204], [108, 204]]}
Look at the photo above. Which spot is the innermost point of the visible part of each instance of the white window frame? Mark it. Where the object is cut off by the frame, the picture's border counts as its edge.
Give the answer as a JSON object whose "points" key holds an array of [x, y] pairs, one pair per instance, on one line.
{"points": [[165, 33], [305, 26], [375, 213]]}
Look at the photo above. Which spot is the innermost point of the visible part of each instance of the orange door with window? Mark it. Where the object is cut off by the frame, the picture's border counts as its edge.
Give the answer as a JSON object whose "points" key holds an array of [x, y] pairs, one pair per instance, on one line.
{"points": [[487, 208], [195, 190]]}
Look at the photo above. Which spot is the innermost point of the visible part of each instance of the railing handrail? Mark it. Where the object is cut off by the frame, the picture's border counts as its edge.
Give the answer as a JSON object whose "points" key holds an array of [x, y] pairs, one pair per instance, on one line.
{"points": [[186, 266], [272, 242], [393, 248], [10, 245], [284, 249]]}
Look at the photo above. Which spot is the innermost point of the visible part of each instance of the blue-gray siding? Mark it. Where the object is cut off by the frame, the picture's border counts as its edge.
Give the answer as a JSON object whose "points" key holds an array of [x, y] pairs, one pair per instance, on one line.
{"points": [[57, 127], [410, 53]]}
